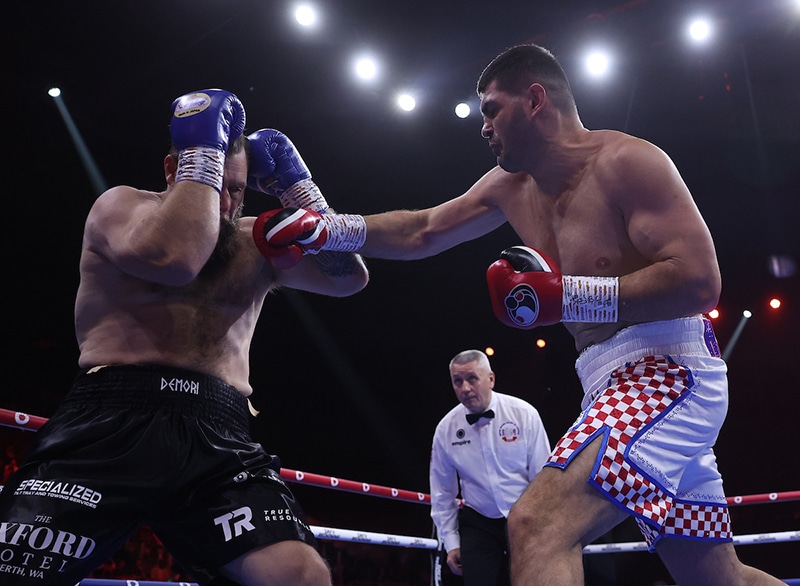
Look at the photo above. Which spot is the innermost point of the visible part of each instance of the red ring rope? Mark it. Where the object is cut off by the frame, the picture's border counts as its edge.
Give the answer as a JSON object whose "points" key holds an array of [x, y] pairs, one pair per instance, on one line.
{"points": [[20, 420], [24, 421]]}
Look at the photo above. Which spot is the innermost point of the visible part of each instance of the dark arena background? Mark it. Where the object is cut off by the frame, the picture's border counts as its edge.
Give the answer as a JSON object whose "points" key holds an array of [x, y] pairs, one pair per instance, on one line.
{"points": [[353, 388]]}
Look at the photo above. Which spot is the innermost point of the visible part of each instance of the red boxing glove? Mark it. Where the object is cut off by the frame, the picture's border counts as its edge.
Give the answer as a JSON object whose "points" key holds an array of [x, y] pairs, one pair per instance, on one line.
{"points": [[525, 288], [283, 236]]}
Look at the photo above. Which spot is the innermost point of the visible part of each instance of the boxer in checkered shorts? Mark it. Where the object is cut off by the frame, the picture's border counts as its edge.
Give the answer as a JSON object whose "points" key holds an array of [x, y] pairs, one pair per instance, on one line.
{"points": [[656, 397], [614, 247]]}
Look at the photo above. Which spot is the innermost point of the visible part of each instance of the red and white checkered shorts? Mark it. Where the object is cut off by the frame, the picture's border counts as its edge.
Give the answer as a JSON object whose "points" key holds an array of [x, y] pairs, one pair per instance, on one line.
{"points": [[658, 415]]}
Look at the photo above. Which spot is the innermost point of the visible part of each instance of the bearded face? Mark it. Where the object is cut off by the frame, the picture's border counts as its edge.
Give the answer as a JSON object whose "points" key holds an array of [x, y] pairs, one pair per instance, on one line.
{"points": [[227, 245]]}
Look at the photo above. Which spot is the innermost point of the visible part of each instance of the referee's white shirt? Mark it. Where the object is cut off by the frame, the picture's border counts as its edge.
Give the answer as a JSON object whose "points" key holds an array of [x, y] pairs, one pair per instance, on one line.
{"points": [[494, 459]]}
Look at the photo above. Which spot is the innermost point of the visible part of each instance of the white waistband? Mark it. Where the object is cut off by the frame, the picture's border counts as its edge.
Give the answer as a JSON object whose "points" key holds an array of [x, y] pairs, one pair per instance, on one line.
{"points": [[683, 336]]}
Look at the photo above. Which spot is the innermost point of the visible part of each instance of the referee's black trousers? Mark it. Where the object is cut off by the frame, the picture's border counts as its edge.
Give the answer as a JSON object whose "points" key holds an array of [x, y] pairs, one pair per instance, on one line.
{"points": [[484, 549]]}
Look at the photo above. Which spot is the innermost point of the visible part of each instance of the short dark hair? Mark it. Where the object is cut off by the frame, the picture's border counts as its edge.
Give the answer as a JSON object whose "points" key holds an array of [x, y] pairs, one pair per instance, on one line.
{"points": [[516, 68], [241, 143]]}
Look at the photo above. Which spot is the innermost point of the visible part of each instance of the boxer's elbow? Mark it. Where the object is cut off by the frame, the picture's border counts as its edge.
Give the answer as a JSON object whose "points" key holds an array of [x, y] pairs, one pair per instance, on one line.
{"points": [[344, 287], [704, 291]]}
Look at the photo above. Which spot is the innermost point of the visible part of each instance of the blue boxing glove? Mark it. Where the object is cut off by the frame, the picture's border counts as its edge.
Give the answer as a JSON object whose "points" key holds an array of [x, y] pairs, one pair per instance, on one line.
{"points": [[210, 118], [203, 124], [277, 169]]}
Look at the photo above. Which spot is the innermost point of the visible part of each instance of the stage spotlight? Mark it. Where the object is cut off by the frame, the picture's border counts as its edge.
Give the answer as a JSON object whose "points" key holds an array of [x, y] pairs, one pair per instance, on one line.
{"points": [[540, 343], [598, 63], [746, 315], [489, 351], [700, 30], [713, 314], [775, 303], [305, 15], [366, 68], [406, 102], [462, 110], [89, 163]]}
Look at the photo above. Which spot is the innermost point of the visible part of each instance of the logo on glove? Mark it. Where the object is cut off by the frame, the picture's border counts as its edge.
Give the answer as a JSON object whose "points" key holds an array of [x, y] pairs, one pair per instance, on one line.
{"points": [[192, 104], [522, 305]]}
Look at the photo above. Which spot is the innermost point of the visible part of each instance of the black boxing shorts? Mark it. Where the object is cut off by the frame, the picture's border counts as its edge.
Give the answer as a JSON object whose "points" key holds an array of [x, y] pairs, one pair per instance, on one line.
{"points": [[162, 446]]}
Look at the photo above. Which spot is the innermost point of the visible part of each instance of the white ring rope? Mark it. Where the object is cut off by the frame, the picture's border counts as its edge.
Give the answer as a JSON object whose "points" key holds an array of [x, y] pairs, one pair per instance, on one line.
{"points": [[19, 420], [373, 538], [24, 421]]}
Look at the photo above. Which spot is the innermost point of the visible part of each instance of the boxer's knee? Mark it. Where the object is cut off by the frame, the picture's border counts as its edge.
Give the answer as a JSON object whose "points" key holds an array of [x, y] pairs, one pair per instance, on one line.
{"points": [[531, 520], [290, 563]]}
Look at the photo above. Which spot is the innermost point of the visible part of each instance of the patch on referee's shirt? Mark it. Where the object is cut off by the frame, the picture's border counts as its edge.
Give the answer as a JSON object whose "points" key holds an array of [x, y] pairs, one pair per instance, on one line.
{"points": [[509, 432]]}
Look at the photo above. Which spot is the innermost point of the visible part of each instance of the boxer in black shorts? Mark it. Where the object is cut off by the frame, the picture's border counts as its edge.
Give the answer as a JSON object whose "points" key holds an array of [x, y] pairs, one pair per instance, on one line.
{"points": [[166, 446], [155, 429]]}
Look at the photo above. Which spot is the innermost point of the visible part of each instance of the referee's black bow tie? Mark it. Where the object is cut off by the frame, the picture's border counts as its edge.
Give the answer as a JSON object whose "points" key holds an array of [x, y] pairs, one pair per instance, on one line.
{"points": [[474, 417]]}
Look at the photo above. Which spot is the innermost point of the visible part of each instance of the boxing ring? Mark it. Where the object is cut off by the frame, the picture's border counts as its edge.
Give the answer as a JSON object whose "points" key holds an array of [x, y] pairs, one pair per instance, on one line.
{"points": [[24, 421]]}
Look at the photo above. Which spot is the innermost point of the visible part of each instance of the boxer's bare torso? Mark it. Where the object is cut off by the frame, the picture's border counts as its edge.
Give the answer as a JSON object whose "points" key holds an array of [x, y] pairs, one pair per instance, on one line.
{"points": [[607, 205], [205, 325]]}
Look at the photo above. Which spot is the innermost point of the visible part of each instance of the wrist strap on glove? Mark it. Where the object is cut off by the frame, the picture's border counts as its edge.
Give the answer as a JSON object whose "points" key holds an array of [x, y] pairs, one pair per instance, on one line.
{"points": [[202, 164], [346, 232], [304, 194], [590, 299]]}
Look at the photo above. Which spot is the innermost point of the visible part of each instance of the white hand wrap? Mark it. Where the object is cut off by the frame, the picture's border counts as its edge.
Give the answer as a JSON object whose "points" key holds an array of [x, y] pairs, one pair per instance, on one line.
{"points": [[304, 194], [346, 232], [589, 299], [202, 164]]}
